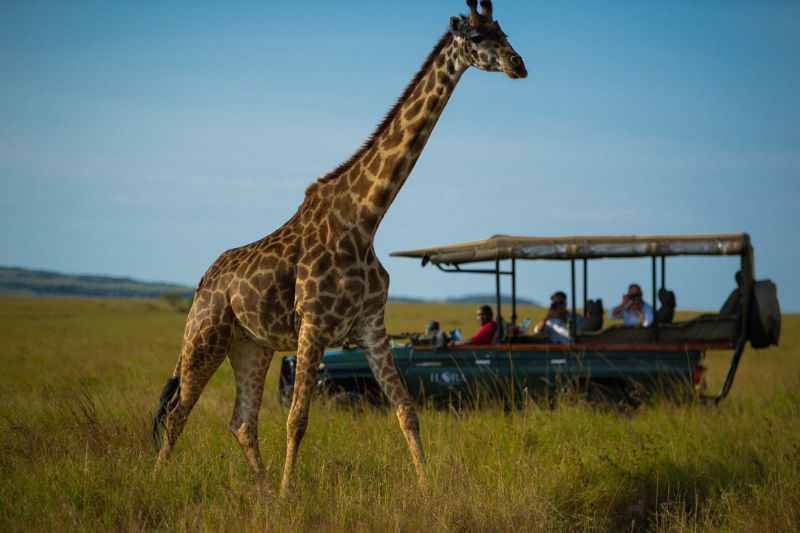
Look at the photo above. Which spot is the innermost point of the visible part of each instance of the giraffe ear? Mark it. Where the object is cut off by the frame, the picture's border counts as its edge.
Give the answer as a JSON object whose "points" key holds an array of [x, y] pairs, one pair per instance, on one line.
{"points": [[456, 25]]}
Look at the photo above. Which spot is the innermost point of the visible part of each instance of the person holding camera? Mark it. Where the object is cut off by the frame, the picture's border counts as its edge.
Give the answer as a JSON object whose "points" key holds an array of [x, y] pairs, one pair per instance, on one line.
{"points": [[556, 323], [633, 310]]}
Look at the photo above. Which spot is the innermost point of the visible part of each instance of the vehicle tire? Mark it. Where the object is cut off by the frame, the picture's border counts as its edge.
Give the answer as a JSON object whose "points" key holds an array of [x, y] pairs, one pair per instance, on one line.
{"points": [[621, 394], [285, 392], [345, 398]]}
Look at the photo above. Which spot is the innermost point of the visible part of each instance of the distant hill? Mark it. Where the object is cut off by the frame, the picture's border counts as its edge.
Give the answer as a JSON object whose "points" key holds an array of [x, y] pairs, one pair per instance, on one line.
{"points": [[489, 298], [407, 299], [24, 282], [467, 299]]}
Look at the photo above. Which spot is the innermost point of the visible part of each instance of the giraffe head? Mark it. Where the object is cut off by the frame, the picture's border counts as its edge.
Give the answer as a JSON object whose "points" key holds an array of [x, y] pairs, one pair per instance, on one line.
{"points": [[482, 44]]}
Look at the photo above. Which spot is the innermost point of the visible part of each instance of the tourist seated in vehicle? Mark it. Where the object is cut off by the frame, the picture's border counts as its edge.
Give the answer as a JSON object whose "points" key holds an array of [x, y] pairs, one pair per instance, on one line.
{"points": [[556, 323], [633, 310], [429, 336], [484, 335], [432, 336], [431, 330]]}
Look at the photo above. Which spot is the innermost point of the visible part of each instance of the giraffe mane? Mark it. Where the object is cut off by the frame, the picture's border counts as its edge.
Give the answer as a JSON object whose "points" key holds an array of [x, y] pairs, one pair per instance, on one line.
{"points": [[390, 115]]}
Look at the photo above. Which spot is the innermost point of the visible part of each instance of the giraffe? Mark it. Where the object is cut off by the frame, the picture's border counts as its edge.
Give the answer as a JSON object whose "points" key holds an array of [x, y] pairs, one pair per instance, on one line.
{"points": [[316, 280]]}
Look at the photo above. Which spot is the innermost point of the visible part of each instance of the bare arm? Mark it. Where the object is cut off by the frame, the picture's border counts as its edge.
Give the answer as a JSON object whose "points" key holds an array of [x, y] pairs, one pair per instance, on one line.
{"points": [[617, 311]]}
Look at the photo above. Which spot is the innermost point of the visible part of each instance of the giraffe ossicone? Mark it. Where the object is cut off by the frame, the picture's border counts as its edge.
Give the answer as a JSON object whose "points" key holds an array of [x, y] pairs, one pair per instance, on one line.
{"points": [[316, 280]]}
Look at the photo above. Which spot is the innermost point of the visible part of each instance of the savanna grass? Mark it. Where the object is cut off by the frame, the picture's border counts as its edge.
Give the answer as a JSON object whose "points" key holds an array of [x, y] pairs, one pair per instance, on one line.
{"points": [[81, 377]]}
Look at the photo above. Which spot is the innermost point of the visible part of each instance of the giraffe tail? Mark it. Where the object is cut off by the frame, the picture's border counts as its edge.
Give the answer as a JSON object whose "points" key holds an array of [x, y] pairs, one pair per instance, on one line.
{"points": [[167, 393]]}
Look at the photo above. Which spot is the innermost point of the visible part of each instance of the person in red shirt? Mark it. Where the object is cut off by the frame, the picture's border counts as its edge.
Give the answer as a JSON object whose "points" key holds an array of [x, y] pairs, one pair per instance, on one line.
{"points": [[485, 334]]}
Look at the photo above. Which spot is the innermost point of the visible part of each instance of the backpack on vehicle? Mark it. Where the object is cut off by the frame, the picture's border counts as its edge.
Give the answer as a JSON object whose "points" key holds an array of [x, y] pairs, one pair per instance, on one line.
{"points": [[594, 316]]}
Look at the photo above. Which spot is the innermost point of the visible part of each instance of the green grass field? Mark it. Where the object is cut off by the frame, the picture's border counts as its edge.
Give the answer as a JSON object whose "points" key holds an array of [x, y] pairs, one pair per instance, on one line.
{"points": [[81, 377]]}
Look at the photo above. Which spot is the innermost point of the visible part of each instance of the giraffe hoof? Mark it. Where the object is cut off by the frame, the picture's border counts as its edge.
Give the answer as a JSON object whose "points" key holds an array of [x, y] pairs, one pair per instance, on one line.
{"points": [[262, 486], [286, 491]]}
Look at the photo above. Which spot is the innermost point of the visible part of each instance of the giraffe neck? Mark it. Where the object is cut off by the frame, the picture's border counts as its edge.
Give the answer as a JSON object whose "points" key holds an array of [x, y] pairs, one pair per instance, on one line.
{"points": [[361, 190]]}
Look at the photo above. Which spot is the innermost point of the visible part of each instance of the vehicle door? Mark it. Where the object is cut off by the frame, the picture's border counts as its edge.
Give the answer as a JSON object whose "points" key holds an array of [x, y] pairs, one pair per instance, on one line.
{"points": [[528, 370], [464, 373]]}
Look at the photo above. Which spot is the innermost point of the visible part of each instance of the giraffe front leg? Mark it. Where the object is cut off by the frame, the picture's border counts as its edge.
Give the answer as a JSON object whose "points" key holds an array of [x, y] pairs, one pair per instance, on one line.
{"points": [[309, 352], [378, 350]]}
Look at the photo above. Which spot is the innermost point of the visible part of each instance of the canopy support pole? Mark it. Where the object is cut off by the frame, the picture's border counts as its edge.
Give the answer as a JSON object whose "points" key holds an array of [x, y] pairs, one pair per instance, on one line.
{"points": [[654, 325], [500, 328], [514, 291], [458, 270], [573, 325], [655, 291], [585, 284], [726, 386]]}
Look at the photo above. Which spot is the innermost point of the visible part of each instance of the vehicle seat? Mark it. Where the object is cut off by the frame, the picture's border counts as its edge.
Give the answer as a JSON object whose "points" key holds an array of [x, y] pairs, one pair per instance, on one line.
{"points": [[594, 316], [705, 328], [618, 334], [665, 313], [723, 326], [733, 305], [528, 339], [500, 332]]}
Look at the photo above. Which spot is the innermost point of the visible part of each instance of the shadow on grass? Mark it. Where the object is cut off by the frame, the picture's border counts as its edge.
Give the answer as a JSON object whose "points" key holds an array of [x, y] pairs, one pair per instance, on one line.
{"points": [[664, 493]]}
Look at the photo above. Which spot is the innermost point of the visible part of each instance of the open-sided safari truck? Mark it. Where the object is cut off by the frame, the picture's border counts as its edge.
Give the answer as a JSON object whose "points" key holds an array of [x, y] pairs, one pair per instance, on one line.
{"points": [[617, 362]]}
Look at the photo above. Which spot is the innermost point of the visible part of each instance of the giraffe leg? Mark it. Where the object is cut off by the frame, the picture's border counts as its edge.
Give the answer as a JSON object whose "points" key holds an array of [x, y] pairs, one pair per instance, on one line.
{"points": [[309, 353], [379, 356], [250, 363], [202, 353]]}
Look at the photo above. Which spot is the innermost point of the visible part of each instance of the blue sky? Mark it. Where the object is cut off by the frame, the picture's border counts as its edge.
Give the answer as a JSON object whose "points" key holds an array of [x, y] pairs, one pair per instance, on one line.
{"points": [[144, 138]]}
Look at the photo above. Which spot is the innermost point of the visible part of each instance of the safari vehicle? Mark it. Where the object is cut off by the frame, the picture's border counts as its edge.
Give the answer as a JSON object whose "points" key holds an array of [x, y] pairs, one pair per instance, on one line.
{"points": [[619, 363]]}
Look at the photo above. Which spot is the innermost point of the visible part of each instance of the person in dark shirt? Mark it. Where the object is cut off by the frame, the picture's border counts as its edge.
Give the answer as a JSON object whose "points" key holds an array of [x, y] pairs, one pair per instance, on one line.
{"points": [[485, 334]]}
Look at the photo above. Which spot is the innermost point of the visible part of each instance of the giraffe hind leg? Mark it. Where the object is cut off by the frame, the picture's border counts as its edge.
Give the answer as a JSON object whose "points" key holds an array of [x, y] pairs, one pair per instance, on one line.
{"points": [[250, 363], [199, 360]]}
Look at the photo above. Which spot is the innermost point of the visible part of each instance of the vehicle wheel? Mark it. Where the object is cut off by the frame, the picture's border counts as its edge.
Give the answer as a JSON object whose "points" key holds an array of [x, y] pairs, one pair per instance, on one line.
{"points": [[347, 398], [620, 394], [285, 392], [603, 393], [356, 401]]}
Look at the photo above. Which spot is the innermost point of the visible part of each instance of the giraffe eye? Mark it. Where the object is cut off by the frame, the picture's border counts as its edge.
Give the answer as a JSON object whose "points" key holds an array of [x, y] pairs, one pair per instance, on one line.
{"points": [[476, 38]]}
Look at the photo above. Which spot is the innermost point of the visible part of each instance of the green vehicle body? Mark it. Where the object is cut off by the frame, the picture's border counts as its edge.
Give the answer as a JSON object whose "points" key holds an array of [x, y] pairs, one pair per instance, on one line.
{"points": [[618, 363], [468, 376]]}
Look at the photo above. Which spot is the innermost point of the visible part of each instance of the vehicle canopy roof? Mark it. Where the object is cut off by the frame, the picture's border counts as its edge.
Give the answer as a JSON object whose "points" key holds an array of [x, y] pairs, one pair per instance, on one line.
{"points": [[501, 247]]}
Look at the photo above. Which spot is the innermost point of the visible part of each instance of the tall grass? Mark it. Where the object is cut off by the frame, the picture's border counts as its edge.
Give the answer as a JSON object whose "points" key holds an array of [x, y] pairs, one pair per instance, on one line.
{"points": [[81, 377]]}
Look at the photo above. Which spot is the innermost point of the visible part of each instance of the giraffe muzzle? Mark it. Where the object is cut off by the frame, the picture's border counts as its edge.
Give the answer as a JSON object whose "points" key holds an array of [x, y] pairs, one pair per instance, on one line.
{"points": [[515, 67]]}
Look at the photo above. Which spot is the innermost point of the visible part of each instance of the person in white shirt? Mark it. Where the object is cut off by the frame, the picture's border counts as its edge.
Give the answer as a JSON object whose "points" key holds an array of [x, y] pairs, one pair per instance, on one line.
{"points": [[556, 323], [633, 311]]}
